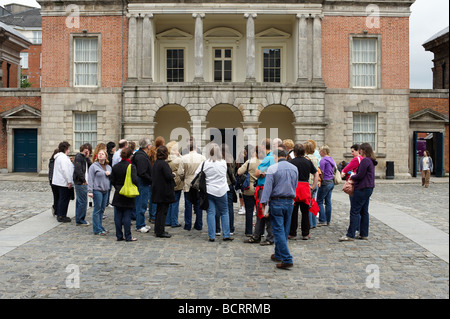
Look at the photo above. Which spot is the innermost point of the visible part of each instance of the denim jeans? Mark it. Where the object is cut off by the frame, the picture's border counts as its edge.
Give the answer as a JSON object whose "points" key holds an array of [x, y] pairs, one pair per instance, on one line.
{"points": [[172, 214], [141, 203], [280, 218], [100, 200], [217, 205], [188, 214], [249, 203], [324, 194], [312, 217], [230, 213], [359, 216], [360, 212], [81, 202], [122, 218]]}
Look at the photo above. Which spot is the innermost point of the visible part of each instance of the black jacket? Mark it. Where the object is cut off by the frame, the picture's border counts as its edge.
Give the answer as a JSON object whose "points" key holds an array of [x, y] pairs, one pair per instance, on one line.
{"points": [[80, 168], [117, 178], [163, 183], [143, 166]]}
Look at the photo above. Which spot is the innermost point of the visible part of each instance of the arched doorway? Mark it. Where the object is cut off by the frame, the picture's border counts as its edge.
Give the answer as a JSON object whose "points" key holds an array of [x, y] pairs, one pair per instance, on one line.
{"points": [[173, 123], [277, 121], [224, 125]]}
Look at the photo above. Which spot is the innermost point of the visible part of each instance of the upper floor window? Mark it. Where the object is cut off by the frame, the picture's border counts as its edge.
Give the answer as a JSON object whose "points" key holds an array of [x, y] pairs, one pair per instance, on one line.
{"points": [[364, 62], [222, 65], [175, 65], [37, 37], [271, 65], [86, 61], [24, 60]]}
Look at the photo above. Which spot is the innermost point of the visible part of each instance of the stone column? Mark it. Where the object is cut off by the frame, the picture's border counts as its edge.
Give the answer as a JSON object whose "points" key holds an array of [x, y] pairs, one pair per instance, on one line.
{"points": [[251, 67], [132, 45], [317, 48], [198, 131], [147, 47], [198, 51], [302, 49]]}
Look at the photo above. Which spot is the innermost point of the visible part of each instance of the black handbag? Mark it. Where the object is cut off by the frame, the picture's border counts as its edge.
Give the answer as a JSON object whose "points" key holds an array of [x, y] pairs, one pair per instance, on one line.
{"points": [[243, 181], [198, 190]]}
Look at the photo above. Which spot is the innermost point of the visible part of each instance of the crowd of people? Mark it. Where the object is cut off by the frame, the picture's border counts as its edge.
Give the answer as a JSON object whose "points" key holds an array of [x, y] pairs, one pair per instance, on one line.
{"points": [[274, 181]]}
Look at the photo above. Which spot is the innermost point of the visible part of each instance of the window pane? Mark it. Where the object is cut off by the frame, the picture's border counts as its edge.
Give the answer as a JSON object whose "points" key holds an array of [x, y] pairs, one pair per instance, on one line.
{"points": [[218, 53], [228, 53], [175, 65], [227, 66], [272, 65]]}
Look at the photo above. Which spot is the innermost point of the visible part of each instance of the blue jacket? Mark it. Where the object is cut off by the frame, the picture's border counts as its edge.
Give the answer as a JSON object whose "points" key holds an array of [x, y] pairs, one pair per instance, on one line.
{"points": [[430, 164]]}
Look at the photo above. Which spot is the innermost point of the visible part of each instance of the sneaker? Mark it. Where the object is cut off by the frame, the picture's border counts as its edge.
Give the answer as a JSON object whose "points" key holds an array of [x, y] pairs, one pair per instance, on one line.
{"points": [[362, 238], [143, 229], [83, 224], [322, 224], [345, 238], [241, 211], [148, 227]]}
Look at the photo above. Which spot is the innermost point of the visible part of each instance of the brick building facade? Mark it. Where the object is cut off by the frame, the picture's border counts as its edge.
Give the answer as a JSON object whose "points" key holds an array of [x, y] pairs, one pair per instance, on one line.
{"points": [[333, 71]]}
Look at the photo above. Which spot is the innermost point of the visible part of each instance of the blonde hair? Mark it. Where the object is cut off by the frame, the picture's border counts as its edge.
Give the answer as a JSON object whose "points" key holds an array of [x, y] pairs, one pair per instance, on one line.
{"points": [[325, 149], [172, 147], [106, 155], [100, 146], [288, 143]]}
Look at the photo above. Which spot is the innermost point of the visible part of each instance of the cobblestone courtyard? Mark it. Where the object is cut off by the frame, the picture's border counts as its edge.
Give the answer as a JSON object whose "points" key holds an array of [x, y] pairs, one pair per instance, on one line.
{"points": [[188, 266]]}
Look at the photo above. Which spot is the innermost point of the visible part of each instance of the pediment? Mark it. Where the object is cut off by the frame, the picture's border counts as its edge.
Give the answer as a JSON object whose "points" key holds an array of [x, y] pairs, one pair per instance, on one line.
{"points": [[222, 33], [272, 33], [428, 115], [174, 34], [21, 112]]}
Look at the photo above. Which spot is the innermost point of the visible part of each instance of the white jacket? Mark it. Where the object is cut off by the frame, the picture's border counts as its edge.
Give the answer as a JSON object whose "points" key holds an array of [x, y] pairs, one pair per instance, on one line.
{"points": [[62, 171]]}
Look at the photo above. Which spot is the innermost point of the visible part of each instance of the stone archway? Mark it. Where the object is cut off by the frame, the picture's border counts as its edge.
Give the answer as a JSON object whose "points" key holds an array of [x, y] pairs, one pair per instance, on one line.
{"points": [[224, 125], [172, 122], [277, 117]]}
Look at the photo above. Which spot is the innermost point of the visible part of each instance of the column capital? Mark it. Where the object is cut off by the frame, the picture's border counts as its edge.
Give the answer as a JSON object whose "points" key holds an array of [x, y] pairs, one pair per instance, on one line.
{"points": [[132, 15], [198, 15], [250, 15], [302, 15], [147, 15], [318, 16]]}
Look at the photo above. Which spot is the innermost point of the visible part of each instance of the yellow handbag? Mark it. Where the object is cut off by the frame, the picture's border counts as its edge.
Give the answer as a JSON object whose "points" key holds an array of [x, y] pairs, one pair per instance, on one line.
{"points": [[129, 189]]}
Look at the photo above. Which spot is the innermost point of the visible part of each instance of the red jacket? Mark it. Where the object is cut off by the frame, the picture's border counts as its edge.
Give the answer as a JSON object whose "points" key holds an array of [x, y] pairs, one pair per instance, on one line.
{"points": [[303, 195]]}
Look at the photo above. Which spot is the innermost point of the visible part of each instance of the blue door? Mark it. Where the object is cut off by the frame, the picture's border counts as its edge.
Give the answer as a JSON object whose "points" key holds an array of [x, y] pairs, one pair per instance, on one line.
{"points": [[25, 150]]}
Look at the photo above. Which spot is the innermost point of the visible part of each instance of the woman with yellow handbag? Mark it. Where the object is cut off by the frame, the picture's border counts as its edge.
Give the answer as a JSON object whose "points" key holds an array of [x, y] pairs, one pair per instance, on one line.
{"points": [[124, 173]]}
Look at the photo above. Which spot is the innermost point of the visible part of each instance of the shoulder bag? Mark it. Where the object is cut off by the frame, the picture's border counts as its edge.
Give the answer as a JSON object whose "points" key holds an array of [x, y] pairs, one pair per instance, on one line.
{"points": [[129, 189]]}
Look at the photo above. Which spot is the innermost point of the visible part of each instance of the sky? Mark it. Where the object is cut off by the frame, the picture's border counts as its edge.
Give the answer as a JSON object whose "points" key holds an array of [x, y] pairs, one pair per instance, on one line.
{"points": [[428, 17]]}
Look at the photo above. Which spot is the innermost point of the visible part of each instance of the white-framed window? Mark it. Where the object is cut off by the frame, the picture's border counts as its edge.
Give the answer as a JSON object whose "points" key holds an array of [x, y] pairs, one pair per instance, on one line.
{"points": [[175, 65], [86, 60], [37, 37], [365, 128], [364, 62], [271, 65], [223, 64], [85, 128], [24, 60]]}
